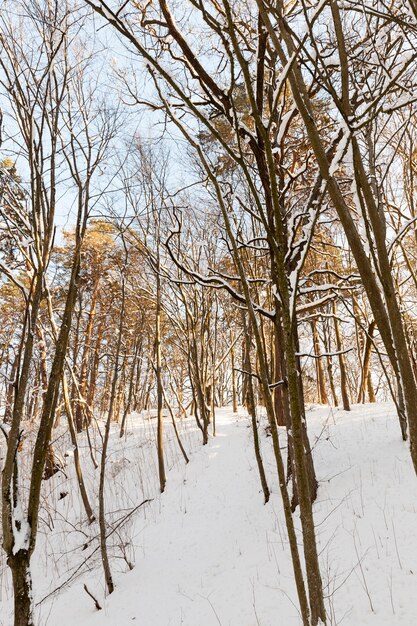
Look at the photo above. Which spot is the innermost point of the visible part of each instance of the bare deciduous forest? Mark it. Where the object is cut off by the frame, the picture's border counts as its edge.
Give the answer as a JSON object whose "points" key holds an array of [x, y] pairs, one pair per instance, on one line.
{"points": [[208, 322]]}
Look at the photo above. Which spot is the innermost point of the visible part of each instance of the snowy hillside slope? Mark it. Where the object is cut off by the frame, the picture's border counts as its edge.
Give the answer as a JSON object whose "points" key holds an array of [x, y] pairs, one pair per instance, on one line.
{"points": [[208, 551]]}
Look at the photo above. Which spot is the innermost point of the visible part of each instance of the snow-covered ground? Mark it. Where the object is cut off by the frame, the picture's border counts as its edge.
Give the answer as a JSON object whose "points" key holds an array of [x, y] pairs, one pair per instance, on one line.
{"points": [[208, 552]]}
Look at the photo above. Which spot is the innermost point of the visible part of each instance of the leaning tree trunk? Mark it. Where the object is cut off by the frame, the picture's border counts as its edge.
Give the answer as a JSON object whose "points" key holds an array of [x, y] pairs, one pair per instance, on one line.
{"points": [[251, 406], [11, 390], [19, 563], [77, 461], [21, 566]]}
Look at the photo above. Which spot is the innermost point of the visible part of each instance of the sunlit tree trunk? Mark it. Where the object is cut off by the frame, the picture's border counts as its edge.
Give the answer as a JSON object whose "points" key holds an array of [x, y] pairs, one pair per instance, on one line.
{"points": [[342, 366]]}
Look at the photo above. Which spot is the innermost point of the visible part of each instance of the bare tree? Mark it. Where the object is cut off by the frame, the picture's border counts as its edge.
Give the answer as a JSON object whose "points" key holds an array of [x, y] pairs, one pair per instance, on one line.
{"points": [[37, 74]]}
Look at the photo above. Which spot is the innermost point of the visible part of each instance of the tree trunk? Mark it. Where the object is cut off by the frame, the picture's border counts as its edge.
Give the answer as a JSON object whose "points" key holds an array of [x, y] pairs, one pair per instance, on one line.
{"points": [[101, 500], [52, 465], [91, 392], [370, 387], [251, 407], [80, 412], [19, 564], [177, 435], [302, 476], [74, 442], [159, 387], [128, 402], [11, 386], [280, 391], [366, 360], [234, 389], [342, 366], [321, 380]]}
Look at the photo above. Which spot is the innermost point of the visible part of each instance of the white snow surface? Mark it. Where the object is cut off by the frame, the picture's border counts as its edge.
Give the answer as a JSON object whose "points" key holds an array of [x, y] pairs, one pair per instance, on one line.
{"points": [[208, 552]]}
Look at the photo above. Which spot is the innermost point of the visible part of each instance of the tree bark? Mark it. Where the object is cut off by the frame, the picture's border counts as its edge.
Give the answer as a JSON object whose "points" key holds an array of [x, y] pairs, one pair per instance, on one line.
{"points": [[159, 387], [342, 366], [22, 588], [366, 360], [251, 407], [321, 380], [280, 391], [11, 386]]}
